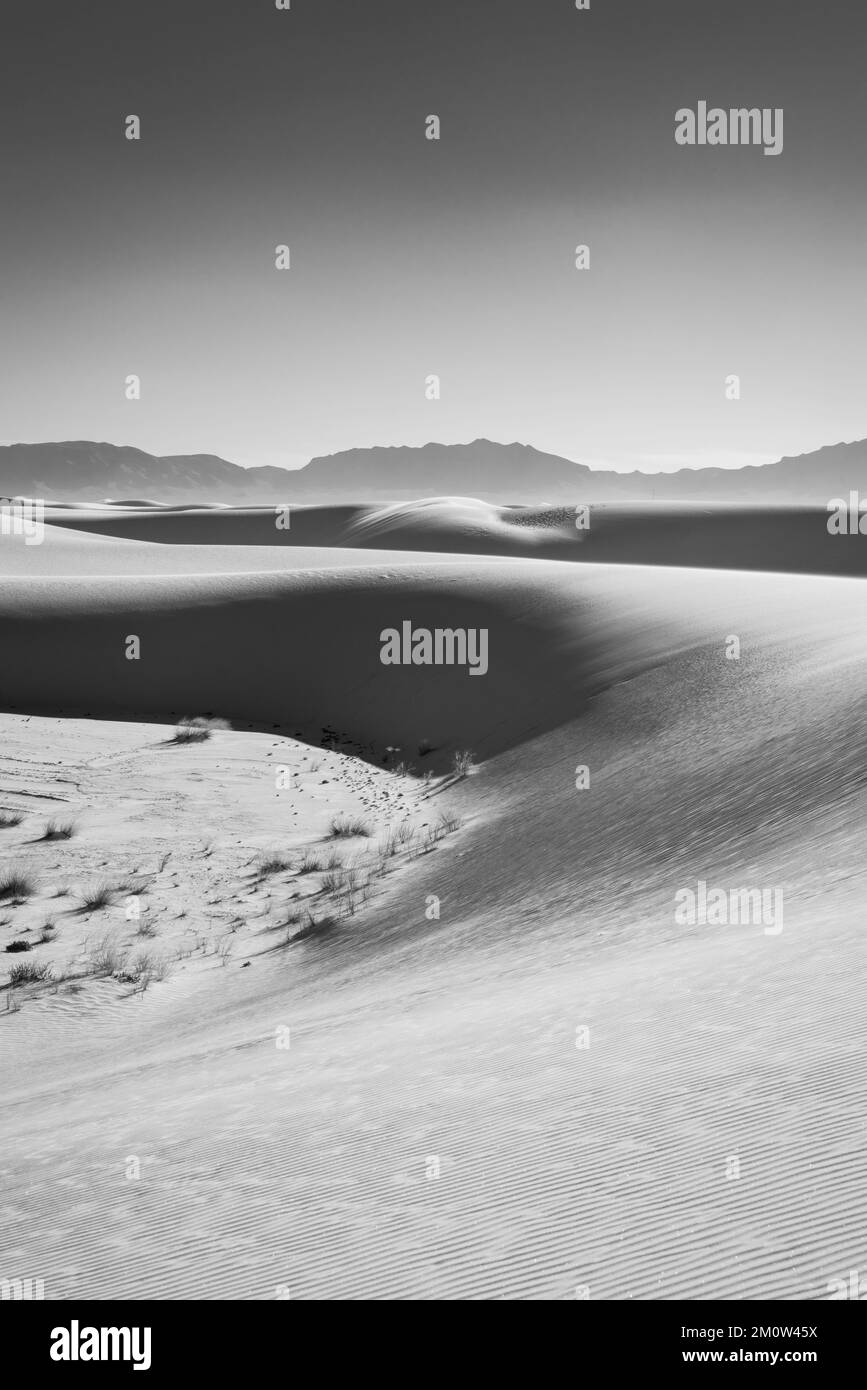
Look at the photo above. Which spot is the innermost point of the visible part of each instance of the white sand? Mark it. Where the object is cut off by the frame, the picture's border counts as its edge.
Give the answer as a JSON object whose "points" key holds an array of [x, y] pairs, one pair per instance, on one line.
{"points": [[312, 1170]]}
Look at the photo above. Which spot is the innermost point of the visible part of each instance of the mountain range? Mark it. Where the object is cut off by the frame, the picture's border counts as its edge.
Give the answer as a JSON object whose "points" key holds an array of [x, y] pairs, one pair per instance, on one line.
{"points": [[83, 471]]}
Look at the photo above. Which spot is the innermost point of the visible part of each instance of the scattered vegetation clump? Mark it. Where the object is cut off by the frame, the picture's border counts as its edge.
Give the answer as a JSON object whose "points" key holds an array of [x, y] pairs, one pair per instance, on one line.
{"points": [[349, 828], [272, 864], [15, 946], [9, 818], [311, 863], [332, 882], [142, 970], [463, 763], [15, 883], [29, 972], [97, 897], [197, 730], [58, 830], [108, 957]]}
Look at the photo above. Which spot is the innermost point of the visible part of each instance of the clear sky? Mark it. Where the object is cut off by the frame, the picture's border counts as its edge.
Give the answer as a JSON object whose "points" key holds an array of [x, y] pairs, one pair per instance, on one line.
{"points": [[412, 257]]}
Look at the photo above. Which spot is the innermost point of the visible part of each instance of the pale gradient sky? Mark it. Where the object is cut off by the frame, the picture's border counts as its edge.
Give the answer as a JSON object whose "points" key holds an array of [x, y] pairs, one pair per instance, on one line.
{"points": [[412, 257]]}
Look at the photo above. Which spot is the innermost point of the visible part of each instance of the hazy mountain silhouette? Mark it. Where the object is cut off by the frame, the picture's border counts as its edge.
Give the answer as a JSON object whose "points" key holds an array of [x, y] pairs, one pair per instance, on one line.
{"points": [[81, 471]]}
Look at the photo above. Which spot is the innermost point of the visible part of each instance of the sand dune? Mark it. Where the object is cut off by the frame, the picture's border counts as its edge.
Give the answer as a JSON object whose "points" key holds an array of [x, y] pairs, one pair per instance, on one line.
{"points": [[454, 1040], [715, 536], [299, 650], [434, 1131]]}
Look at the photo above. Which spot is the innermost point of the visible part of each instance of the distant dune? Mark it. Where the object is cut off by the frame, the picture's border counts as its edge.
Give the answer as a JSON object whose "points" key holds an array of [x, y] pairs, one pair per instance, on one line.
{"points": [[792, 539]]}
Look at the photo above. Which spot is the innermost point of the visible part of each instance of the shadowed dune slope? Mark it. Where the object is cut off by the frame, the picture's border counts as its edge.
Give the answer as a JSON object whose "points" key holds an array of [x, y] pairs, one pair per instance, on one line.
{"points": [[301, 650]]}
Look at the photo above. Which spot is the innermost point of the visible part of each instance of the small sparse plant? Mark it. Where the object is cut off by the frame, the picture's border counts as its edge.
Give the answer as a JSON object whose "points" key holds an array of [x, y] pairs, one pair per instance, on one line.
{"points": [[333, 881], [197, 730], [48, 930], [15, 946], [58, 830], [8, 819], [29, 972], [314, 926], [463, 763], [272, 864], [108, 957], [349, 828], [97, 897], [191, 733], [290, 925], [15, 883], [311, 863], [131, 886], [224, 948], [142, 970]]}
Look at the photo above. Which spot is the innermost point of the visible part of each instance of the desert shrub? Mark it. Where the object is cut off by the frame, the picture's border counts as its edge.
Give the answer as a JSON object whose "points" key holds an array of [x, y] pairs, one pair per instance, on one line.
{"points": [[311, 863], [29, 972], [333, 881], [16, 883], [349, 828], [142, 970], [272, 864], [58, 830], [100, 895], [108, 957], [198, 730]]}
